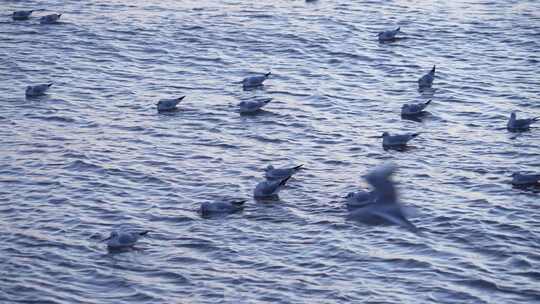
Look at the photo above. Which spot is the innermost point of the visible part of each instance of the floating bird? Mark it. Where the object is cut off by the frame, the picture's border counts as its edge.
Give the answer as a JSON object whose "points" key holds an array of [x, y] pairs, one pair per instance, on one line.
{"points": [[280, 173], [37, 90], [254, 81], [386, 207], [22, 15], [50, 19], [410, 109], [168, 104], [221, 208], [269, 188], [426, 81], [397, 140], [359, 199], [123, 239], [253, 106], [516, 125], [519, 179], [388, 36]]}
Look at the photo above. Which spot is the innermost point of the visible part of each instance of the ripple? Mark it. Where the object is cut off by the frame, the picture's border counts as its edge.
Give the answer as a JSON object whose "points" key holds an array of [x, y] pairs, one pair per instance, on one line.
{"points": [[93, 154]]}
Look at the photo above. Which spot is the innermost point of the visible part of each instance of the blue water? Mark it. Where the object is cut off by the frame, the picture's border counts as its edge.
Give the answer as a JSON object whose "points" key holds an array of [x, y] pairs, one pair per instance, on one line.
{"points": [[94, 154]]}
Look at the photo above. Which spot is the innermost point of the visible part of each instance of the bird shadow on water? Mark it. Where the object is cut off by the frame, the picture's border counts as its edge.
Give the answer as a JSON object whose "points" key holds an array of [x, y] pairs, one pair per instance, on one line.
{"points": [[169, 112], [255, 88], [44, 97], [404, 148], [258, 113], [267, 199], [416, 117], [533, 188], [394, 40], [515, 134]]}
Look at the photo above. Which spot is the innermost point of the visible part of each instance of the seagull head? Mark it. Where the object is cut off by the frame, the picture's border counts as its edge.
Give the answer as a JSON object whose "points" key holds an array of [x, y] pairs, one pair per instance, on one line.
{"points": [[113, 235]]}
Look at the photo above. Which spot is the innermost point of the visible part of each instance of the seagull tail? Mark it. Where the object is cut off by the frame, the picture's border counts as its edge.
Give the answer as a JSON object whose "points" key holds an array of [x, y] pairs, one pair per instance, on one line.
{"points": [[267, 74], [433, 69], [397, 30], [144, 232], [180, 98], [414, 135], [49, 84], [427, 102], [535, 118], [267, 100], [298, 167], [238, 203]]}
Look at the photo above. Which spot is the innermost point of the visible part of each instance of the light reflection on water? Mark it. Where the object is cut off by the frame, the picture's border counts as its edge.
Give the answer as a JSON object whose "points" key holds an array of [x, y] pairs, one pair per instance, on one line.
{"points": [[94, 153]]}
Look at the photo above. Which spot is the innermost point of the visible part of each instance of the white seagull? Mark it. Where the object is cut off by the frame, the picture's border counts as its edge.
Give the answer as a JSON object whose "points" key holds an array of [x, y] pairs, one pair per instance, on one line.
{"points": [[50, 19], [359, 199], [253, 106], [516, 125], [411, 109], [386, 207], [519, 179], [388, 36], [123, 239], [255, 81], [269, 188], [397, 140], [37, 90], [426, 81], [272, 173], [168, 104], [220, 208], [22, 15]]}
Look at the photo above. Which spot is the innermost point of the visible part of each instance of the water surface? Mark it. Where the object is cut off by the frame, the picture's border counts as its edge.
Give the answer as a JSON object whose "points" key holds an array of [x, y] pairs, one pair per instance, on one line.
{"points": [[94, 154]]}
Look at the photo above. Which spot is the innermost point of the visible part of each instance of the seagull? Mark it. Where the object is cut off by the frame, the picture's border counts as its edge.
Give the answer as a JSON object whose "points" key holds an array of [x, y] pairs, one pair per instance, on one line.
{"points": [[516, 125], [123, 239], [22, 15], [386, 207], [269, 188], [215, 208], [168, 104], [254, 81], [253, 106], [388, 36], [359, 199], [519, 179], [426, 81], [414, 108], [397, 140], [280, 173], [37, 90], [50, 19]]}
